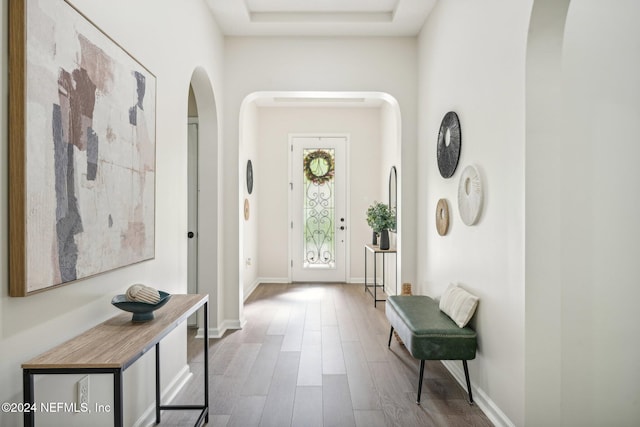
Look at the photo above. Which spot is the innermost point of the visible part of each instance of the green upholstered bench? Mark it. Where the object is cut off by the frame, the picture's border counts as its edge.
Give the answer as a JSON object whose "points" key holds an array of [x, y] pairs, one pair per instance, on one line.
{"points": [[429, 334]]}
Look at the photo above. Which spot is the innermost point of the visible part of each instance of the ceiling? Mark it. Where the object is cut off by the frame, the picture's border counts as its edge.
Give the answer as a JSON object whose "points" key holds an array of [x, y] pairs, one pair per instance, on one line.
{"points": [[320, 17]]}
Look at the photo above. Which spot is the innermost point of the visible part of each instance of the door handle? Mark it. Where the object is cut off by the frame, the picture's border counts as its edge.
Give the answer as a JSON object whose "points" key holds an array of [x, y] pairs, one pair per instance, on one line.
{"points": [[190, 235]]}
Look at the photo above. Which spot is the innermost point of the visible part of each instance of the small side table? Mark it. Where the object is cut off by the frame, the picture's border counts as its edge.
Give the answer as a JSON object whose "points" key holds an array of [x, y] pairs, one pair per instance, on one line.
{"points": [[375, 250]]}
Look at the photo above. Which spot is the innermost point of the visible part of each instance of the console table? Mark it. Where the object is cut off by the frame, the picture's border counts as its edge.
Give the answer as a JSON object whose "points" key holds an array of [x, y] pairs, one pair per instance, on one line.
{"points": [[114, 345], [375, 250]]}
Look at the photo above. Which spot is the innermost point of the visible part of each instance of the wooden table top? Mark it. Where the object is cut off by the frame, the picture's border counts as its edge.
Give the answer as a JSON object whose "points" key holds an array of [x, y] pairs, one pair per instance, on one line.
{"points": [[376, 249], [118, 342]]}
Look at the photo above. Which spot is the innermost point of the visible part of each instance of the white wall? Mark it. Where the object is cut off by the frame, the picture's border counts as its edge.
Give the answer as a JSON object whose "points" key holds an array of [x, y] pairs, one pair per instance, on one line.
{"points": [[31, 325], [274, 126], [472, 61], [250, 141], [392, 156], [582, 171], [313, 64], [543, 255], [601, 209]]}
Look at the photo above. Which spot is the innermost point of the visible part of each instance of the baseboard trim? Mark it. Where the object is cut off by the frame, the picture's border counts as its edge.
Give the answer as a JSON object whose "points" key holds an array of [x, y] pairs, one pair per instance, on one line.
{"points": [[224, 327], [273, 280], [252, 287], [148, 417], [480, 398]]}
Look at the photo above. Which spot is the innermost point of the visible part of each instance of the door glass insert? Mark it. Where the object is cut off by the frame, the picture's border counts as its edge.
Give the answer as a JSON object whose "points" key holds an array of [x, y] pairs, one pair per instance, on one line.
{"points": [[319, 208]]}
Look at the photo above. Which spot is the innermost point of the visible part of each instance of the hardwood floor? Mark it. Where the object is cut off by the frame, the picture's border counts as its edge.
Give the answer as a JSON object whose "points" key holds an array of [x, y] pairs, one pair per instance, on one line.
{"points": [[316, 355]]}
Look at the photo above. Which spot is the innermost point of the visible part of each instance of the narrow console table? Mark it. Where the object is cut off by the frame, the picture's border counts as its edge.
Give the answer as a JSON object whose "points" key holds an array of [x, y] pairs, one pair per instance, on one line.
{"points": [[375, 250], [114, 345]]}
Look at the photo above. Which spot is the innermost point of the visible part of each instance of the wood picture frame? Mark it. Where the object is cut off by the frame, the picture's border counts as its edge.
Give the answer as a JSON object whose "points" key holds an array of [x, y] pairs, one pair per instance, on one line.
{"points": [[82, 118]]}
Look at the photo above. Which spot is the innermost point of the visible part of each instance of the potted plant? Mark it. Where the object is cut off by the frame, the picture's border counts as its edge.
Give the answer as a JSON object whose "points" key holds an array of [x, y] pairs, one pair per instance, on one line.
{"points": [[381, 219]]}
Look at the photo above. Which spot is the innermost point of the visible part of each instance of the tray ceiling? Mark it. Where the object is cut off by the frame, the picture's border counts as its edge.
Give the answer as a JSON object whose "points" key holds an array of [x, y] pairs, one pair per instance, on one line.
{"points": [[320, 17]]}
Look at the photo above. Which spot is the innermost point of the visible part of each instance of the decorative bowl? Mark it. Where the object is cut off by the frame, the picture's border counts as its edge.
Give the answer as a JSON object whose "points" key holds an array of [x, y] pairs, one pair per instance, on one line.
{"points": [[142, 311]]}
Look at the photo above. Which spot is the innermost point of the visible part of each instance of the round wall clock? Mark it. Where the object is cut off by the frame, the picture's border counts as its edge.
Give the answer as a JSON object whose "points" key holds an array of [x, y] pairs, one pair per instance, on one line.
{"points": [[449, 141], [470, 195], [442, 217], [249, 176]]}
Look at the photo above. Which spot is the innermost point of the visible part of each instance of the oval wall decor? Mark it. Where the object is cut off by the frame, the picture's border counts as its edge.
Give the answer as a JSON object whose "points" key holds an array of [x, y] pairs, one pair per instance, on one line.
{"points": [[246, 209], [249, 176], [442, 217], [470, 195], [449, 141]]}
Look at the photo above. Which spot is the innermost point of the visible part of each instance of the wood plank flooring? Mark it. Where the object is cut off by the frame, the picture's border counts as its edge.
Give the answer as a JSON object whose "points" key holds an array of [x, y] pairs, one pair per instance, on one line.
{"points": [[316, 355]]}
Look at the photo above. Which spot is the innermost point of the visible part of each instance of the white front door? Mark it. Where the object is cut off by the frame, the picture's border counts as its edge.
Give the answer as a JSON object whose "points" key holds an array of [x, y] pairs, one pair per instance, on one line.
{"points": [[318, 232]]}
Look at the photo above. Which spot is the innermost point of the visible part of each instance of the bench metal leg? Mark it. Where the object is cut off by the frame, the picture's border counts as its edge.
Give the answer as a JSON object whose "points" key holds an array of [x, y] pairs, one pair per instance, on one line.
{"points": [[466, 376], [390, 335], [420, 383]]}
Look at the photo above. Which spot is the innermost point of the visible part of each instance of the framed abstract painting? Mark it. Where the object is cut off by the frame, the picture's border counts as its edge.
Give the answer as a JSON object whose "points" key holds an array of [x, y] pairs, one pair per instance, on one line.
{"points": [[82, 131]]}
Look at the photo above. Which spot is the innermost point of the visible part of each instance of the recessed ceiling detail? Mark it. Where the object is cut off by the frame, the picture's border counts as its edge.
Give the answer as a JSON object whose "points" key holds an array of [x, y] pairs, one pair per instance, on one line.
{"points": [[300, 99], [320, 5], [321, 17]]}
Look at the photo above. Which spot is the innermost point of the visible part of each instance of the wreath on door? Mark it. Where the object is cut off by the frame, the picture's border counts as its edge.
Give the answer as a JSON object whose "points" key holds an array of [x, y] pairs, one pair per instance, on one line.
{"points": [[319, 167]]}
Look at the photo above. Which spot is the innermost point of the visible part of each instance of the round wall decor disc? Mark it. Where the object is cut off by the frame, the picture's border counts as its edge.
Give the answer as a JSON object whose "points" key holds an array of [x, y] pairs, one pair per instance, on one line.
{"points": [[470, 195], [249, 176], [449, 141], [442, 217], [246, 209]]}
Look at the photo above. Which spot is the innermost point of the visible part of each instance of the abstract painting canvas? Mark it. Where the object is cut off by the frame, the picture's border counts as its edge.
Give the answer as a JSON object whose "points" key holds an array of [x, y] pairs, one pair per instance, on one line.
{"points": [[82, 149]]}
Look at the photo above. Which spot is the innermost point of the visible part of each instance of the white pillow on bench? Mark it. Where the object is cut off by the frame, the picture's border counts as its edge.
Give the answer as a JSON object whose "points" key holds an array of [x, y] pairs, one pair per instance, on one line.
{"points": [[458, 304]]}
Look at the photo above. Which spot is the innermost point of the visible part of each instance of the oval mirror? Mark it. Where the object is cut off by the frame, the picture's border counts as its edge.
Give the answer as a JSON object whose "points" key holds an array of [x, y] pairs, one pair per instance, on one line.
{"points": [[393, 193]]}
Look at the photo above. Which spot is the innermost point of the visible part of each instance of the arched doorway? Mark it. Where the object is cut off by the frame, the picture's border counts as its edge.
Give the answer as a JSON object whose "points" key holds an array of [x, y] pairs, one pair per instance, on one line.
{"points": [[203, 257], [249, 115]]}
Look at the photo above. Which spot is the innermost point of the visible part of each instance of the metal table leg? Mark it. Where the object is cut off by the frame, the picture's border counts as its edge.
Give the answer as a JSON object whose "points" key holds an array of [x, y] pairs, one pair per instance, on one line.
{"points": [[158, 383], [365, 269], [206, 362], [118, 410], [375, 279], [27, 387]]}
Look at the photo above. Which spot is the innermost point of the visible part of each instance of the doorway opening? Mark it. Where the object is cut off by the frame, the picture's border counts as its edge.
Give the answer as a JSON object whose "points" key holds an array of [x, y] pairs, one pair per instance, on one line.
{"points": [[201, 237], [264, 248], [192, 201]]}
